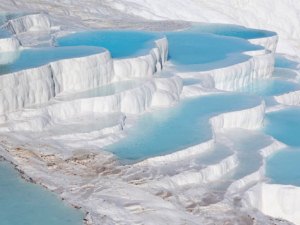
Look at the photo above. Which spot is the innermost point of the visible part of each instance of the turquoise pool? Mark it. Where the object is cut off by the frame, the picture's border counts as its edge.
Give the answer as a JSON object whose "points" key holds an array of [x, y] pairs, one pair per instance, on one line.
{"points": [[187, 123], [284, 125], [283, 62], [35, 57], [23, 203], [120, 43], [283, 167], [270, 87], [201, 51]]}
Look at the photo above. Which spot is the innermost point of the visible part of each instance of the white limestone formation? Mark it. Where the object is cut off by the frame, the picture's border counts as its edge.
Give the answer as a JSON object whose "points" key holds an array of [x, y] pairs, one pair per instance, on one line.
{"points": [[30, 22]]}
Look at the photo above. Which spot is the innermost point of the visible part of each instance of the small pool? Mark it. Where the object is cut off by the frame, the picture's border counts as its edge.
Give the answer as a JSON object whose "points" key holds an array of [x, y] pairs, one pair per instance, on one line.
{"points": [[23, 203], [231, 30], [284, 125], [283, 62], [120, 43], [4, 33], [169, 130], [270, 87], [285, 73], [201, 51], [35, 57], [284, 167]]}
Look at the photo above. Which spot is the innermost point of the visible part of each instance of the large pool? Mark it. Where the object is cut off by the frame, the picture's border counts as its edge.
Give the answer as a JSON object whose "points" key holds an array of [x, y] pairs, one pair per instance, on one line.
{"points": [[35, 57], [120, 43], [169, 130], [23, 203], [200, 51]]}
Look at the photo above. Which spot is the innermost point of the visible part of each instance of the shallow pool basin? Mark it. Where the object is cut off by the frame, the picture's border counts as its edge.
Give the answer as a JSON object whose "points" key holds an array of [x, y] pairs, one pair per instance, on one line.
{"points": [[169, 130], [35, 57], [120, 43]]}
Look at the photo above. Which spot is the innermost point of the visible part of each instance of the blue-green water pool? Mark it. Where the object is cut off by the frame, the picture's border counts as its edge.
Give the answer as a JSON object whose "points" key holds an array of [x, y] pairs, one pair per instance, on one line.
{"points": [[24, 203], [169, 130]]}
